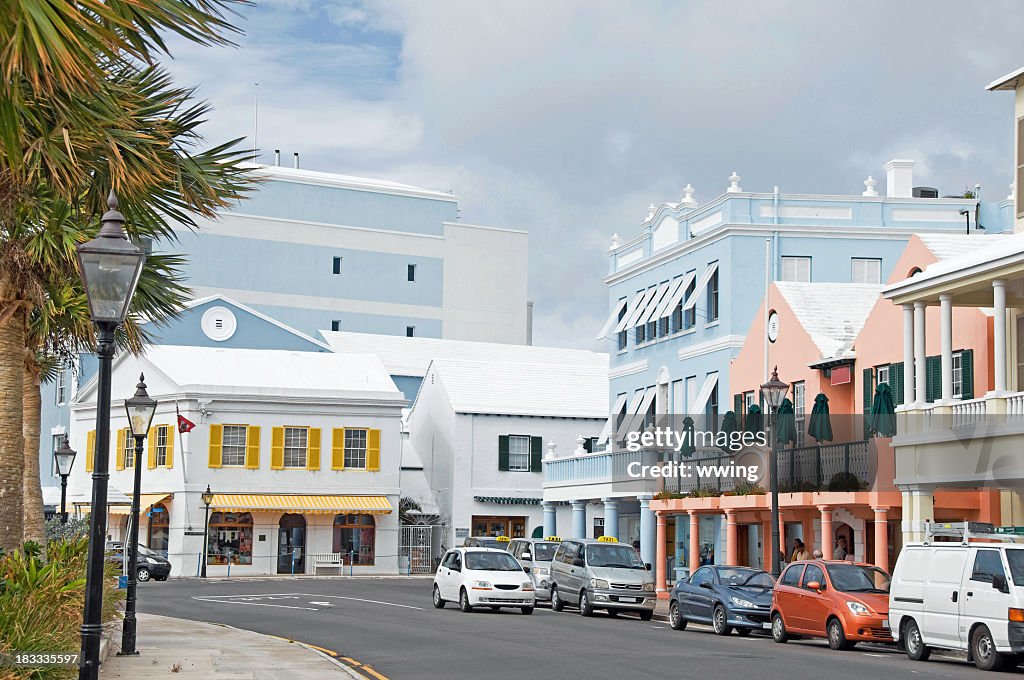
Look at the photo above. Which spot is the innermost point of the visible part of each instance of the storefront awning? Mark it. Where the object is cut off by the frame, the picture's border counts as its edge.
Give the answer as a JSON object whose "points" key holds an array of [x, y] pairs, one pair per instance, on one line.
{"points": [[308, 504], [146, 501]]}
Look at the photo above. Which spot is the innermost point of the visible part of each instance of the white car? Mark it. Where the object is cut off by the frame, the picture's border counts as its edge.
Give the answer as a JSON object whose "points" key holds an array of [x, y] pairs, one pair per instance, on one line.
{"points": [[483, 577]]}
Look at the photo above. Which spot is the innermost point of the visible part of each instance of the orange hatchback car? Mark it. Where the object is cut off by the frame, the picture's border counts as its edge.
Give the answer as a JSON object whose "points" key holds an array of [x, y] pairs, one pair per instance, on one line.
{"points": [[843, 602]]}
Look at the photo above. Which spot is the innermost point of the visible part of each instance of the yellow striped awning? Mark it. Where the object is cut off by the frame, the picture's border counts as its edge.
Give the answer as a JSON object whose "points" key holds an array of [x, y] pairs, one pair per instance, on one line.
{"points": [[309, 504], [146, 500]]}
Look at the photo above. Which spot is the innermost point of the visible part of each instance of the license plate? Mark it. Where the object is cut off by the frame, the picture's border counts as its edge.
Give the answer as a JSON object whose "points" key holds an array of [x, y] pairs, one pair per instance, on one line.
{"points": [[766, 625], [631, 599], [885, 623]]}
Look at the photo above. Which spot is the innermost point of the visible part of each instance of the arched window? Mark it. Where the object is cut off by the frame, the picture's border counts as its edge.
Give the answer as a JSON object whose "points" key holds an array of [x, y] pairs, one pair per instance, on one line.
{"points": [[230, 538], [354, 538], [914, 272], [159, 522]]}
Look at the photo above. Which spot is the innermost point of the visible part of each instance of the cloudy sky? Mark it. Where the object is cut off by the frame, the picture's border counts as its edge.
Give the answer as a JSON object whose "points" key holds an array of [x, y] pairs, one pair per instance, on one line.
{"points": [[568, 117]]}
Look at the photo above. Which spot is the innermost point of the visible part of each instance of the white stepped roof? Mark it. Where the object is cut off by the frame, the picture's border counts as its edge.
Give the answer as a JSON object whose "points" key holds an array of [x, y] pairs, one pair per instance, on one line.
{"points": [[831, 313], [948, 246]]}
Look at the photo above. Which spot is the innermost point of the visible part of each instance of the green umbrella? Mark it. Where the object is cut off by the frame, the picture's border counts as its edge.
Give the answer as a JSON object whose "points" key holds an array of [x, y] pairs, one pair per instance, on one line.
{"points": [[688, 448], [883, 412], [728, 427], [820, 425], [755, 420], [785, 423]]}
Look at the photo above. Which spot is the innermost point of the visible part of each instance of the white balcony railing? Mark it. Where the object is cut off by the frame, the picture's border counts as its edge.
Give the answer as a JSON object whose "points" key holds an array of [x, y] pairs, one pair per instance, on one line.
{"points": [[969, 412], [1015, 404]]}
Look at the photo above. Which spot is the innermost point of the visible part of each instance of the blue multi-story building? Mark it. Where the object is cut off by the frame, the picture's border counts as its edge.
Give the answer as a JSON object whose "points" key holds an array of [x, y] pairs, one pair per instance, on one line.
{"points": [[684, 291]]}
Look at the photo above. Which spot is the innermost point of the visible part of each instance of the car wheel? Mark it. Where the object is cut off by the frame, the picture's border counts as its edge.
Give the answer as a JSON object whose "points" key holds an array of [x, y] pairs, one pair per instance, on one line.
{"points": [[438, 600], [836, 635], [526, 610], [675, 617], [719, 621], [586, 609], [917, 650], [646, 615], [556, 602], [464, 601], [743, 632], [983, 649], [779, 633], [143, 575]]}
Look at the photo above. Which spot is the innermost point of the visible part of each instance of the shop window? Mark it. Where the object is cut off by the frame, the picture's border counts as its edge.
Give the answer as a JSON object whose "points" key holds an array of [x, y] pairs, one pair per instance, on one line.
{"points": [[354, 538], [157, 532], [230, 538]]}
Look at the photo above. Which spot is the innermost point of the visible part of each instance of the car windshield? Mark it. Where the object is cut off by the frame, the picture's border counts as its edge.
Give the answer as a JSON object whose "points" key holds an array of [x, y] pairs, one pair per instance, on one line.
{"points": [[485, 542], [143, 550], [621, 556], [544, 552], [852, 578], [491, 561], [1016, 559], [752, 578]]}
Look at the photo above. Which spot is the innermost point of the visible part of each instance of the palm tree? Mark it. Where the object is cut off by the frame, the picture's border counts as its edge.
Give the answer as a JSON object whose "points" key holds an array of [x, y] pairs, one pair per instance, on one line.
{"points": [[82, 112]]}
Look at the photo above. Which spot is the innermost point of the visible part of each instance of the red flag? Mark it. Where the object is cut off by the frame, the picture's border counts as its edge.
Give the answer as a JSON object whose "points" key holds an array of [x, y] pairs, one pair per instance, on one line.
{"points": [[184, 424]]}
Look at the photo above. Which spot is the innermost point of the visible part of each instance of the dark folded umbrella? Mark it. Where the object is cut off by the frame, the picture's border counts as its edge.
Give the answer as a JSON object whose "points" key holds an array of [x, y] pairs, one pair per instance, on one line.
{"points": [[728, 427], [785, 423], [819, 425], [883, 412], [755, 420]]}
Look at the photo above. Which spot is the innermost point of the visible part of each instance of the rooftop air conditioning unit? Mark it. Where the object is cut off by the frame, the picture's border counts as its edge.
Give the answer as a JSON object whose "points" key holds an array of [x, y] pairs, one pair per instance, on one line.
{"points": [[926, 192]]}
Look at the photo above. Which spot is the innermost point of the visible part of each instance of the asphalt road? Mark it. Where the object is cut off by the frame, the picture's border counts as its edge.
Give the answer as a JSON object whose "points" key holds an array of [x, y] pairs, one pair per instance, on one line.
{"points": [[389, 625]]}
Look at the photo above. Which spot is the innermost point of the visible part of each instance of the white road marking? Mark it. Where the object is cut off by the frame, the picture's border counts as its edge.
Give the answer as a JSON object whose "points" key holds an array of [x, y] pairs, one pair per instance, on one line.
{"points": [[323, 604], [254, 604], [359, 599]]}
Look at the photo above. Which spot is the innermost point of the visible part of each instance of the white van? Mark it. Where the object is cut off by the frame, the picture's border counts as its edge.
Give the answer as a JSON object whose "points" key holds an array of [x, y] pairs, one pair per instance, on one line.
{"points": [[965, 596]]}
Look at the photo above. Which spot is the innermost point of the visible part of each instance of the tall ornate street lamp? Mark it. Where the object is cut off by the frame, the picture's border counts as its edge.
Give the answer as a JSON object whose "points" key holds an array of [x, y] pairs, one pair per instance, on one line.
{"points": [[110, 267], [140, 409], [774, 392], [207, 499], [64, 457]]}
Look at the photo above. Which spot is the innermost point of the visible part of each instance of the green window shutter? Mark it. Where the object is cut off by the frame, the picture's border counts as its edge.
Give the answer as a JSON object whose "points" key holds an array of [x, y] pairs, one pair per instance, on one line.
{"points": [[869, 395], [536, 452], [737, 408], [933, 378], [503, 452], [588, 444], [896, 382], [967, 373]]}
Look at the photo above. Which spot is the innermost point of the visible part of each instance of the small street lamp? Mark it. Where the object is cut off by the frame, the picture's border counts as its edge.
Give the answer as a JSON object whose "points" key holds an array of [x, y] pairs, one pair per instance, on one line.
{"points": [[207, 499], [774, 392], [110, 267], [140, 410], [64, 457]]}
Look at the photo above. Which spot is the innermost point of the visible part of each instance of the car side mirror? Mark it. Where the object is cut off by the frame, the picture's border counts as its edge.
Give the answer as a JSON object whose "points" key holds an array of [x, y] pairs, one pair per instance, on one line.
{"points": [[647, 566], [814, 585], [706, 584], [999, 583], [526, 569]]}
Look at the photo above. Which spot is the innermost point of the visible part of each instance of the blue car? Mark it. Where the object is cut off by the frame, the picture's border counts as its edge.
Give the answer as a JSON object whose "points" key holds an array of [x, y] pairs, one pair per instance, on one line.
{"points": [[725, 597]]}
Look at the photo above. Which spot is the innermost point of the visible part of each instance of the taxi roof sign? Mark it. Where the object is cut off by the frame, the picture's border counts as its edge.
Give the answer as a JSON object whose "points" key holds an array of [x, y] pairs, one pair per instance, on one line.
{"points": [[552, 538], [608, 539], [502, 539]]}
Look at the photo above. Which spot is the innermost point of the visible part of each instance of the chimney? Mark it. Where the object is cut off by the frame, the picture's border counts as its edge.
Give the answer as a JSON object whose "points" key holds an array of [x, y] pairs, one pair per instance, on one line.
{"points": [[899, 178], [296, 161], [277, 157]]}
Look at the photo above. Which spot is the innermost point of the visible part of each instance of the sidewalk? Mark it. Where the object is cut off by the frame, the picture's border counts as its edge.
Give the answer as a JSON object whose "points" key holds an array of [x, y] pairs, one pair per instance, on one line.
{"points": [[176, 648]]}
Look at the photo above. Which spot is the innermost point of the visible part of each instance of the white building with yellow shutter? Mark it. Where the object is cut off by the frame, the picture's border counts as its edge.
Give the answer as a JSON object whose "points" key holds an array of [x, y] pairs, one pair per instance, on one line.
{"points": [[301, 451]]}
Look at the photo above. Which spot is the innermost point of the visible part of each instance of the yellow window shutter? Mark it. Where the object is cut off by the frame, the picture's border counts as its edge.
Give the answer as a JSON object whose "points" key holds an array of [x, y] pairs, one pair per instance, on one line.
{"points": [[120, 448], [373, 450], [216, 445], [170, 446], [252, 447], [90, 450], [313, 454], [338, 448], [151, 447], [277, 448]]}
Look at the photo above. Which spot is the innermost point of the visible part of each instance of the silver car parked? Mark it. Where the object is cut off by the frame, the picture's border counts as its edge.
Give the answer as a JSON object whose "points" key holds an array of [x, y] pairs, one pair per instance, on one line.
{"points": [[601, 574], [536, 554]]}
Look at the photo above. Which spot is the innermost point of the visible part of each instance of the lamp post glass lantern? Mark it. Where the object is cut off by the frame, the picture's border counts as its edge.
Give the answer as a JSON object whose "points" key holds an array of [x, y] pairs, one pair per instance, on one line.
{"points": [[64, 457], [140, 409], [110, 267], [207, 500], [774, 393]]}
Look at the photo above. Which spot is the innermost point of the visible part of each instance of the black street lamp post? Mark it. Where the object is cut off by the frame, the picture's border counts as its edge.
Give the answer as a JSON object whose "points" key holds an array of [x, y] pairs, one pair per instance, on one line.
{"points": [[774, 392], [207, 499], [64, 457], [110, 267], [140, 409]]}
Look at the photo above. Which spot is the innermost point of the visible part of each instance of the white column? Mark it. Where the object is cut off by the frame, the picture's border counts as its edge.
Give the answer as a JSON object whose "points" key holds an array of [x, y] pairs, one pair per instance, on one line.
{"points": [[550, 518], [919, 352], [999, 349], [579, 519], [648, 529], [946, 343], [611, 517], [908, 354]]}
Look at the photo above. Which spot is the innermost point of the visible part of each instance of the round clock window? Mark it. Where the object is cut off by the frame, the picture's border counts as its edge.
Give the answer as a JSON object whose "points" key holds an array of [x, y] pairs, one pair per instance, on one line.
{"points": [[773, 327]]}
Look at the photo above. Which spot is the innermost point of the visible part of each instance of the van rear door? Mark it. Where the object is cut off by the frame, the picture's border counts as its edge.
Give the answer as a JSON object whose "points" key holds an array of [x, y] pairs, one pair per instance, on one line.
{"points": [[981, 602], [941, 608]]}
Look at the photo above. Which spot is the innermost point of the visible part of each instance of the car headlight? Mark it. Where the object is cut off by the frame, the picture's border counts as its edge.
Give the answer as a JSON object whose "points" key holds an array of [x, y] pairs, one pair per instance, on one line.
{"points": [[598, 583], [648, 585], [740, 602], [528, 586], [858, 609], [481, 585]]}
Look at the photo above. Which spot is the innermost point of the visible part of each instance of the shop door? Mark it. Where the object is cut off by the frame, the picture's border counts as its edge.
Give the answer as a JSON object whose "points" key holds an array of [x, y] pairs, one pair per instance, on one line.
{"points": [[291, 545]]}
